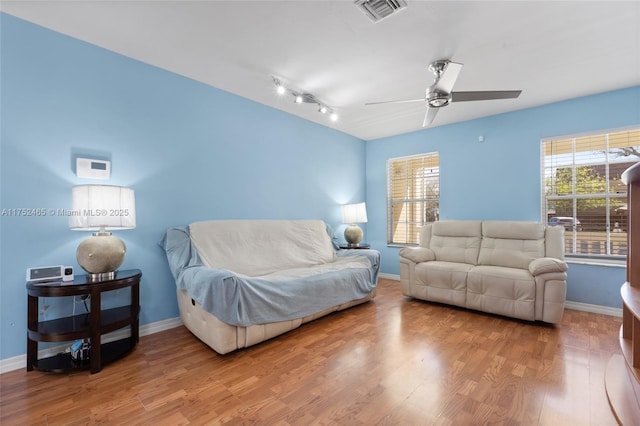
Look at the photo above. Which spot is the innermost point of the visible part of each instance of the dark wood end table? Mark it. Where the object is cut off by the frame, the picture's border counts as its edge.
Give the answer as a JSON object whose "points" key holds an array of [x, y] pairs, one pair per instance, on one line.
{"points": [[91, 325]]}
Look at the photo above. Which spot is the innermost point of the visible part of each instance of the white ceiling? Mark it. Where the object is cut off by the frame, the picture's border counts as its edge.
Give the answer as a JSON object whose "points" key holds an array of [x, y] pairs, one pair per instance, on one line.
{"points": [[550, 50]]}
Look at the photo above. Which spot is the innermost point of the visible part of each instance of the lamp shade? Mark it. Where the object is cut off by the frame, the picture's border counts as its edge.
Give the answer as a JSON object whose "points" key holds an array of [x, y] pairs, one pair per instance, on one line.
{"points": [[105, 207], [354, 213]]}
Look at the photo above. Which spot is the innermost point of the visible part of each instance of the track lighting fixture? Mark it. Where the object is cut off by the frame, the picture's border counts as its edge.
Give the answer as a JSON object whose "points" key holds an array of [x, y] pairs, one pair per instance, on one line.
{"points": [[307, 98], [280, 89]]}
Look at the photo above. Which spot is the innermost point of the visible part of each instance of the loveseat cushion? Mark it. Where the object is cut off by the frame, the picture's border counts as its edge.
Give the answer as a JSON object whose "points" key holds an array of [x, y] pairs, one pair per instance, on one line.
{"points": [[261, 247], [444, 282], [456, 241], [511, 244], [503, 291]]}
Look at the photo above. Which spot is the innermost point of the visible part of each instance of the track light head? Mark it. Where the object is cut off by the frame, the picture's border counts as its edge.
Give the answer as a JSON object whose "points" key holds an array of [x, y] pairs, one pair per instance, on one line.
{"points": [[280, 89], [304, 98]]}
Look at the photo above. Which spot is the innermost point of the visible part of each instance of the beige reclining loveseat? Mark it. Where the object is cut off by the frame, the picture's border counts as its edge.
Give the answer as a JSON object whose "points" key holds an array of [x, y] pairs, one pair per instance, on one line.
{"points": [[507, 268]]}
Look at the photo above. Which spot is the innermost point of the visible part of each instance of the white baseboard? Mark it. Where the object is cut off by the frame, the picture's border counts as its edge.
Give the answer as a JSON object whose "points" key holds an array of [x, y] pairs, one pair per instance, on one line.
{"points": [[158, 326], [20, 361], [578, 306], [596, 309], [389, 276]]}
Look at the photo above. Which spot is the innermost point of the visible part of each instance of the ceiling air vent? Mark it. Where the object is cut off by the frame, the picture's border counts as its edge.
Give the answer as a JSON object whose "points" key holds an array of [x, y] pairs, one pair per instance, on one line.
{"points": [[377, 10]]}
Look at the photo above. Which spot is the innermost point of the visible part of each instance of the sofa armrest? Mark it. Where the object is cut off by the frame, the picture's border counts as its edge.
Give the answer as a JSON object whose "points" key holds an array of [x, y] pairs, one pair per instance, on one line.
{"points": [[418, 254], [545, 265]]}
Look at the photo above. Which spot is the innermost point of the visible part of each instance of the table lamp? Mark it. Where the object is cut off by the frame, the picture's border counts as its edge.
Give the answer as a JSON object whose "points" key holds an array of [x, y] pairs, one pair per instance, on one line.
{"points": [[353, 214], [102, 208]]}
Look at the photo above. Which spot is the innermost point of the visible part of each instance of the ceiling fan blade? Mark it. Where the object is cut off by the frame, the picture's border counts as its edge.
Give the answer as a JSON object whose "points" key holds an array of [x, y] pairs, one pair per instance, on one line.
{"points": [[429, 116], [397, 102], [484, 95], [448, 77]]}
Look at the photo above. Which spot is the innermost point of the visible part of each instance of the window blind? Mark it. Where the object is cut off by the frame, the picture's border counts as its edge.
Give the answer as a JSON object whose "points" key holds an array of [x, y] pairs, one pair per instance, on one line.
{"points": [[583, 191], [413, 196]]}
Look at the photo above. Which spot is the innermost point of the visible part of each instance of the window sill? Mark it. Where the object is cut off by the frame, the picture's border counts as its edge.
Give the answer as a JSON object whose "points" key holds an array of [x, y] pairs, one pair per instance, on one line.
{"points": [[613, 263], [397, 245]]}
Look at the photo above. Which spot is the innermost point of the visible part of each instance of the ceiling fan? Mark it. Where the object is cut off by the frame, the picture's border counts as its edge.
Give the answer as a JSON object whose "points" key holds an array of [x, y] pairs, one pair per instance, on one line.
{"points": [[439, 94]]}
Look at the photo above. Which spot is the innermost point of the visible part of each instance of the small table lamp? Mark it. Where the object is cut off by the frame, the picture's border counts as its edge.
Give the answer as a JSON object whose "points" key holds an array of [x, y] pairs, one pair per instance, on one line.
{"points": [[353, 214], [101, 208]]}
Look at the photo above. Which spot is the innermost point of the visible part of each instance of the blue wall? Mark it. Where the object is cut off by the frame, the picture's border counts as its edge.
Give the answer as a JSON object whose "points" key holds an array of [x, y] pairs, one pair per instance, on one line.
{"points": [[191, 152], [499, 179]]}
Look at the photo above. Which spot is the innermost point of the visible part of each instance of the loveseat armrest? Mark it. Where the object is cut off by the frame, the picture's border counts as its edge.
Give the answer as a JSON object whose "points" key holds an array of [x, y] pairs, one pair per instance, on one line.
{"points": [[418, 254], [546, 265]]}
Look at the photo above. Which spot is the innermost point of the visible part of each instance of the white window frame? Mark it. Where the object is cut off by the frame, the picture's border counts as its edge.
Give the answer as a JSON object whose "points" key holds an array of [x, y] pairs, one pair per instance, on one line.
{"points": [[423, 198], [571, 247]]}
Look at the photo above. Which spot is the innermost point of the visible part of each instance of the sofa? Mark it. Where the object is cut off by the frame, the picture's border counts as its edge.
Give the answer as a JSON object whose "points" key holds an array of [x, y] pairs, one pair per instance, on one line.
{"points": [[241, 282], [509, 268]]}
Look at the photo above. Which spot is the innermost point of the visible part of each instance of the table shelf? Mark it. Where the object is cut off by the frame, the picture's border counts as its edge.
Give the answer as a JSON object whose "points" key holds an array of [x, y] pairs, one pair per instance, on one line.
{"points": [[78, 326], [63, 363]]}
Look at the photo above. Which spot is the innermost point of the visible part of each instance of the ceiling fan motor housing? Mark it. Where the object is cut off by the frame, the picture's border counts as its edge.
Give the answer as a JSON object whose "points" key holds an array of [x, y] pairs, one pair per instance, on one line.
{"points": [[437, 99]]}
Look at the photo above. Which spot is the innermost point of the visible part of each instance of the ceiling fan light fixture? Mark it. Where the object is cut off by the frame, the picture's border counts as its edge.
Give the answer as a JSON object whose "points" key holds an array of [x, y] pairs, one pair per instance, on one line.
{"points": [[438, 99]]}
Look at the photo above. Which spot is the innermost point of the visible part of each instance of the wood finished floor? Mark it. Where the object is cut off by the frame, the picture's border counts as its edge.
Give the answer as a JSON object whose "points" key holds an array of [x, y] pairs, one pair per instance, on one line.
{"points": [[393, 361]]}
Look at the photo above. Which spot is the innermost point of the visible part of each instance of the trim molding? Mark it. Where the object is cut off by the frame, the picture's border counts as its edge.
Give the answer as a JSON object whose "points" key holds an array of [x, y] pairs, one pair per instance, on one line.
{"points": [[389, 276], [596, 309], [20, 361]]}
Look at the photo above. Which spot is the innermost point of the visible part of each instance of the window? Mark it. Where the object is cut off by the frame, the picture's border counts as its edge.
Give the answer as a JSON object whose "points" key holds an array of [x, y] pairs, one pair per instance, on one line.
{"points": [[413, 196], [583, 192]]}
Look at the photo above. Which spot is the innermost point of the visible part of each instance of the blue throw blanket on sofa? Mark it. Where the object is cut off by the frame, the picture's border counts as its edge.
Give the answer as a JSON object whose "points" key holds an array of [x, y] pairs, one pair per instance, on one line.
{"points": [[243, 301]]}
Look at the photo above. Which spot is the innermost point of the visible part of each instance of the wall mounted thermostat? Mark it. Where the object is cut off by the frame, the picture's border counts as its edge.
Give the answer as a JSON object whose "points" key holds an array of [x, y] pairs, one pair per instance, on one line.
{"points": [[50, 273], [93, 169]]}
